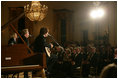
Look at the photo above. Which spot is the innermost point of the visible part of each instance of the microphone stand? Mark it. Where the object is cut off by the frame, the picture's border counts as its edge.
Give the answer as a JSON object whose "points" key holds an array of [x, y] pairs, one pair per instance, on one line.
{"points": [[56, 42]]}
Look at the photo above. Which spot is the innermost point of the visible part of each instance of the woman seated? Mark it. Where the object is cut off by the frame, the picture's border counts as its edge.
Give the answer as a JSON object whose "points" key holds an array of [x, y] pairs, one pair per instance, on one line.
{"points": [[13, 39]]}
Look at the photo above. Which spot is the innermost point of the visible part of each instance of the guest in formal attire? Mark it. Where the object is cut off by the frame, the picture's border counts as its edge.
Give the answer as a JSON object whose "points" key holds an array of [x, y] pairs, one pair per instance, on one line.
{"points": [[13, 39]]}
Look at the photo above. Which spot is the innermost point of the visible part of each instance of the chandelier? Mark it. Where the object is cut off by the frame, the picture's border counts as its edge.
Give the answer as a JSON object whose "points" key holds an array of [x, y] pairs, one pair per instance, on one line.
{"points": [[35, 11]]}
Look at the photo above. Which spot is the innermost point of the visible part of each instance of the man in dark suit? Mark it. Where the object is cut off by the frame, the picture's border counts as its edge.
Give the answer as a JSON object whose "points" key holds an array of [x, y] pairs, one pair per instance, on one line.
{"points": [[25, 36]]}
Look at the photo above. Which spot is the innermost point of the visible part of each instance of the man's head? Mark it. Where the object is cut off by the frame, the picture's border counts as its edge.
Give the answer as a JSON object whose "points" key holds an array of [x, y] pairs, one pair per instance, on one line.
{"points": [[44, 31], [26, 33]]}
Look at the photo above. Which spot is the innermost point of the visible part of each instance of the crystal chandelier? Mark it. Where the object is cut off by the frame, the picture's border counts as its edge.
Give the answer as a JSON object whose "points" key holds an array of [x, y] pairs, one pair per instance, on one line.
{"points": [[35, 11]]}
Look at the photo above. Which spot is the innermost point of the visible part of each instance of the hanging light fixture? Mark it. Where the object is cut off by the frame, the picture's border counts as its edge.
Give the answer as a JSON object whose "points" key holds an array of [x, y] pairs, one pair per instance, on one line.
{"points": [[35, 11]]}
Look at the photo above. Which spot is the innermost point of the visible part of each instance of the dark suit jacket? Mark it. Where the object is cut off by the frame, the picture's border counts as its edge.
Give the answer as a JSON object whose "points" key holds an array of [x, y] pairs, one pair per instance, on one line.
{"points": [[40, 44], [11, 41], [25, 39]]}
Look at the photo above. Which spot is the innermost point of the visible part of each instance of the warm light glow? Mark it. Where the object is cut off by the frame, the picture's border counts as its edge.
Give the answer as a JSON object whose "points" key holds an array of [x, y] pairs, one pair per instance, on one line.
{"points": [[35, 11], [97, 13], [93, 14], [100, 12]]}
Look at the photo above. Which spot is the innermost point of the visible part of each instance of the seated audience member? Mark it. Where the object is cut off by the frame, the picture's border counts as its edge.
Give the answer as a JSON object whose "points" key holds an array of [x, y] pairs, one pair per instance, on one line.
{"points": [[13, 39], [109, 71]]}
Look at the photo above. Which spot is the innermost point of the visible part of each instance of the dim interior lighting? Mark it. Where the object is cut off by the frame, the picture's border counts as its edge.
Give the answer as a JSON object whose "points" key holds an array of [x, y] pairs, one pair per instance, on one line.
{"points": [[97, 13]]}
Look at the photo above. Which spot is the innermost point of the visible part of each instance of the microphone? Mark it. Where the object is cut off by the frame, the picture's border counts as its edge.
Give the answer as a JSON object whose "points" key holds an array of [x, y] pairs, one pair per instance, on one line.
{"points": [[30, 35], [56, 42], [49, 35], [53, 39]]}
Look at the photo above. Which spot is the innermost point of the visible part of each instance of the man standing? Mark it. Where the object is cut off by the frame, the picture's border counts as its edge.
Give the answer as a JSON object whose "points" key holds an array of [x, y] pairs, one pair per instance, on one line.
{"points": [[25, 36]]}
